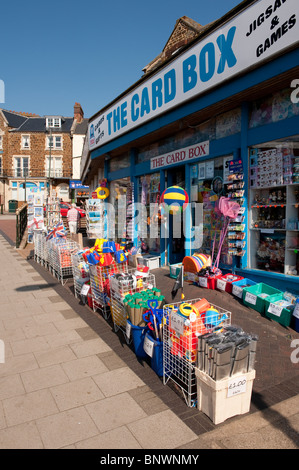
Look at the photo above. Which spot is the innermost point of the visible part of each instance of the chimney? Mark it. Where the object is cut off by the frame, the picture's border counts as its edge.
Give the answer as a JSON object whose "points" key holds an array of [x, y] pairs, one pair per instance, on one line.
{"points": [[78, 112]]}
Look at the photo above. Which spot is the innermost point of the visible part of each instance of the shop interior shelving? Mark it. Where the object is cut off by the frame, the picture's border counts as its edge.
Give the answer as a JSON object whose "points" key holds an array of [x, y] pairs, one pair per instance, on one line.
{"points": [[274, 219]]}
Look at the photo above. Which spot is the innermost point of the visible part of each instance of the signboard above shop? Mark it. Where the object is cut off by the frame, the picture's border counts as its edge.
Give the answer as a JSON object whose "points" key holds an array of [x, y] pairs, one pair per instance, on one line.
{"points": [[183, 155], [265, 28], [76, 184]]}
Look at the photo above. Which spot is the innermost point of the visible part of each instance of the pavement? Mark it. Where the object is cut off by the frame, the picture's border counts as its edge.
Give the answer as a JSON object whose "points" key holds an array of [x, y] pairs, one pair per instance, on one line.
{"points": [[69, 381]]}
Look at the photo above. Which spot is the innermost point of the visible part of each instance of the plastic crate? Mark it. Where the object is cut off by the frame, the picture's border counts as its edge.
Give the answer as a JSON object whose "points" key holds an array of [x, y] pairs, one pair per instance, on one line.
{"points": [[255, 296], [174, 270], [208, 282], [238, 286], [225, 282], [222, 399], [276, 312]]}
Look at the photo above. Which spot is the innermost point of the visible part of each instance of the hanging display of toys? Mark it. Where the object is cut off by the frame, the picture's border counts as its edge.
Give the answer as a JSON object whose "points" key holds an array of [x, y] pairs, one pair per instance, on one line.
{"points": [[174, 199]]}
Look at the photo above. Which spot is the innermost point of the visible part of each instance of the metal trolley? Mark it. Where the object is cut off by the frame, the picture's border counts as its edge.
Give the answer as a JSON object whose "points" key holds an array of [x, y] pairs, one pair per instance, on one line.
{"points": [[100, 285], [119, 288], [180, 342]]}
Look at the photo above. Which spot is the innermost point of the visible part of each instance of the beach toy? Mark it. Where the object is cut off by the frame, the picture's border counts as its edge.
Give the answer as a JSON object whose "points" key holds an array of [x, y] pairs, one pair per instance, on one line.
{"points": [[185, 309], [201, 306], [212, 317], [174, 199]]}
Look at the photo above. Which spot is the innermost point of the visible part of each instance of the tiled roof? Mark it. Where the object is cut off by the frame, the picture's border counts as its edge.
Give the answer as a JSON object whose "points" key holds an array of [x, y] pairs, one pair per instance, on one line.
{"points": [[39, 125]]}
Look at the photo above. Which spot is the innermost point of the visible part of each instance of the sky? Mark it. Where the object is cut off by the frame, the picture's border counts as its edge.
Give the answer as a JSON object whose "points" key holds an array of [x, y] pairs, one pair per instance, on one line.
{"points": [[65, 51]]}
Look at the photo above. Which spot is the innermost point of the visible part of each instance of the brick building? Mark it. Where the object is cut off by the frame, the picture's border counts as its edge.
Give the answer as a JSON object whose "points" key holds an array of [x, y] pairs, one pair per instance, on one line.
{"points": [[36, 151]]}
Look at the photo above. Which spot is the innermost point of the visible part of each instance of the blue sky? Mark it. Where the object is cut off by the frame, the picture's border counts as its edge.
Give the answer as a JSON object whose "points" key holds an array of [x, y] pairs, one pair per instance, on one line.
{"points": [[59, 52]]}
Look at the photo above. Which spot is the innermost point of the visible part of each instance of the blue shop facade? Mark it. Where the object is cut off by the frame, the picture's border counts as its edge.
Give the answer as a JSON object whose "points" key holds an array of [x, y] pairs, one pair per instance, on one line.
{"points": [[220, 118]]}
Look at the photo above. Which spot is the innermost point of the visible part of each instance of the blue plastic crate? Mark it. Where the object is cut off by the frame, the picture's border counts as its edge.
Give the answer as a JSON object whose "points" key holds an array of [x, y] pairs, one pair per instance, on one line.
{"points": [[240, 285]]}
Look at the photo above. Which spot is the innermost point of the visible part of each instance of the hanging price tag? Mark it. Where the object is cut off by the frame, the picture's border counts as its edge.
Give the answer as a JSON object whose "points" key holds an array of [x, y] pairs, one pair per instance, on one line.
{"points": [[221, 285], [250, 298], [275, 309], [203, 281], [128, 330], [148, 346], [236, 386], [84, 290], [177, 323], [237, 291]]}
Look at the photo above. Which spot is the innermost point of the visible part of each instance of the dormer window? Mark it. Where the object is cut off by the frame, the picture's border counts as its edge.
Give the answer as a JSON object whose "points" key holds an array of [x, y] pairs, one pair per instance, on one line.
{"points": [[54, 122], [25, 142]]}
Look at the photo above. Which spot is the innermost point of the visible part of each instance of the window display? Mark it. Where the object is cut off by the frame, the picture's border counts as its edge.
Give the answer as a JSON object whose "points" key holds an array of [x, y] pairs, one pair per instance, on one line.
{"points": [[149, 193], [274, 202]]}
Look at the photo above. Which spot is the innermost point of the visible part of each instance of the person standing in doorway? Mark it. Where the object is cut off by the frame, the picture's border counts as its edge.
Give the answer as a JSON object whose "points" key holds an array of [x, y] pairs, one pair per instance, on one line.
{"points": [[73, 218]]}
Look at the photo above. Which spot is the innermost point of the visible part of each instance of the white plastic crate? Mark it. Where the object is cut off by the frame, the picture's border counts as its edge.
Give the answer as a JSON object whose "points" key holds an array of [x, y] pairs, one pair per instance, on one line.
{"points": [[152, 262], [180, 339], [119, 288], [222, 399]]}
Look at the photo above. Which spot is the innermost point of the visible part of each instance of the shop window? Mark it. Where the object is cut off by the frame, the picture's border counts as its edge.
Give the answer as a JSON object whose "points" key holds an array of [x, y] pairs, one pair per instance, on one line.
{"points": [[189, 136], [274, 108], [63, 192], [149, 194], [228, 123], [274, 207], [212, 179], [118, 163], [121, 197]]}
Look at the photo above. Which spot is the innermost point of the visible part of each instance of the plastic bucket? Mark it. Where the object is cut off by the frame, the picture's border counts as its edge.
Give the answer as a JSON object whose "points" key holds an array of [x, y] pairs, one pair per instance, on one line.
{"points": [[202, 305], [138, 335]]}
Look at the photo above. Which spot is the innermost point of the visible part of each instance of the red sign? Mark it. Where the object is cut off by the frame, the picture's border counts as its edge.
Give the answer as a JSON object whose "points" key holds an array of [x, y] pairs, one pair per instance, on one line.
{"points": [[94, 195]]}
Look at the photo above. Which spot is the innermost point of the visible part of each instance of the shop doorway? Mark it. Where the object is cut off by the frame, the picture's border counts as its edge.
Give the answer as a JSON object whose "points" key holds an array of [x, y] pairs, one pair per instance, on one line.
{"points": [[176, 239]]}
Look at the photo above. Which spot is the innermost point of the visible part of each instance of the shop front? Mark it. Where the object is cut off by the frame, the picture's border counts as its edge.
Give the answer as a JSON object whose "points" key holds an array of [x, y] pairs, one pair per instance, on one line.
{"points": [[215, 124]]}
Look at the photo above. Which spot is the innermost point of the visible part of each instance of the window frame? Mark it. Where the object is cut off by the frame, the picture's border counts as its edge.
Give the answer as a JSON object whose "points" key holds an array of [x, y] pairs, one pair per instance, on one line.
{"points": [[23, 147]]}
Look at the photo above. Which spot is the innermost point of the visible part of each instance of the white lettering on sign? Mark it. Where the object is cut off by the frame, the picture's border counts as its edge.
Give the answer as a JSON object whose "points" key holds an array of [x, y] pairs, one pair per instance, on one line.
{"points": [[250, 298], [181, 155], [264, 29]]}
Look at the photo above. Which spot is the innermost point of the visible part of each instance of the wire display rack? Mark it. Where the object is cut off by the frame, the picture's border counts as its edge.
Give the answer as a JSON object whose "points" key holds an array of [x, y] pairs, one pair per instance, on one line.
{"points": [[180, 339], [40, 248], [100, 285], [60, 262], [119, 288], [80, 270]]}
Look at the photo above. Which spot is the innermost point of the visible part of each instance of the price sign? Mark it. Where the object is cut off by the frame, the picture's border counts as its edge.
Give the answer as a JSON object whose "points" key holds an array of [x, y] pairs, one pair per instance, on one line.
{"points": [[191, 277], [84, 290], [148, 346], [177, 323], [250, 298], [296, 311], [221, 285], [236, 386], [275, 309], [128, 330], [237, 291], [203, 281]]}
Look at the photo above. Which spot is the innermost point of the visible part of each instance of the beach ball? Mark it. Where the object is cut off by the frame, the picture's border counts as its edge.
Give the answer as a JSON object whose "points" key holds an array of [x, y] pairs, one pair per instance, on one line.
{"points": [[174, 199]]}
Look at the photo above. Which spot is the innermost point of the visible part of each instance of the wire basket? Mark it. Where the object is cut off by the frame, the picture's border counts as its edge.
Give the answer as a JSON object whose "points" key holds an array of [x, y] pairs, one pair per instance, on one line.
{"points": [[119, 289], [100, 285], [60, 262], [38, 246], [180, 342], [80, 270]]}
